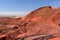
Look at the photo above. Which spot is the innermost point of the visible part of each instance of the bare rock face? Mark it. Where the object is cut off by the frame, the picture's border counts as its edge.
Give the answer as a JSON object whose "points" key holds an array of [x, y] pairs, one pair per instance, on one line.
{"points": [[41, 24]]}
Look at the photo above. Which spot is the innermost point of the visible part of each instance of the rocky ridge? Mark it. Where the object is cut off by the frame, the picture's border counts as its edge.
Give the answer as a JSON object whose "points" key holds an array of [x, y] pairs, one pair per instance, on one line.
{"points": [[41, 24]]}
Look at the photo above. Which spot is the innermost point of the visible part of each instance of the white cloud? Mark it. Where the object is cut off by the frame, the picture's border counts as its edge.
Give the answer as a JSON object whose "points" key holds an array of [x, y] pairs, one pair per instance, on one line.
{"points": [[14, 13]]}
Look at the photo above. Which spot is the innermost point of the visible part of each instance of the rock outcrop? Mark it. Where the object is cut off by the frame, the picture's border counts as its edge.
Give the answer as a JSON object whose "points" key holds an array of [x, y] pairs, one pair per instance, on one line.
{"points": [[41, 24]]}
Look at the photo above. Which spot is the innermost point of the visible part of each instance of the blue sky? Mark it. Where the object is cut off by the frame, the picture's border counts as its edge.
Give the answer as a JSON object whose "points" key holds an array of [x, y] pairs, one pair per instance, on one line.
{"points": [[22, 7]]}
